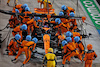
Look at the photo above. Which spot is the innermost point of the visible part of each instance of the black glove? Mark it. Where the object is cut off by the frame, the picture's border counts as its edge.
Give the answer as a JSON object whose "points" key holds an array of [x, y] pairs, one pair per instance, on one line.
{"points": [[21, 46], [71, 28]]}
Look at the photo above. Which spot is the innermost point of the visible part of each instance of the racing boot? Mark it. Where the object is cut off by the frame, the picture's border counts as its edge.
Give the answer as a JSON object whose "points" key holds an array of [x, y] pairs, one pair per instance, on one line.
{"points": [[6, 50], [6, 53], [68, 62], [14, 60], [22, 65]]}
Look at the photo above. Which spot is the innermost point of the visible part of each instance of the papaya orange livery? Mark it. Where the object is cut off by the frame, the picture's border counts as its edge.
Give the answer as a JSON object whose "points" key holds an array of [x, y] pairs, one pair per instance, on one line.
{"points": [[46, 29], [44, 11], [46, 39]]}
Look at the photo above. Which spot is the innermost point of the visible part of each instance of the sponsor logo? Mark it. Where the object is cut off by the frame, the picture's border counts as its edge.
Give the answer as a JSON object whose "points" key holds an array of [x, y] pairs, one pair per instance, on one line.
{"points": [[93, 12]]}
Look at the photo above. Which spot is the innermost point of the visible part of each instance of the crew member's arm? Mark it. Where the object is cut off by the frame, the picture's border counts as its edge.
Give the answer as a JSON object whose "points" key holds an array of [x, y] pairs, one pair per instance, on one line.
{"points": [[82, 48], [85, 58], [34, 46], [58, 26], [11, 42], [55, 59], [35, 24], [44, 59], [95, 55]]}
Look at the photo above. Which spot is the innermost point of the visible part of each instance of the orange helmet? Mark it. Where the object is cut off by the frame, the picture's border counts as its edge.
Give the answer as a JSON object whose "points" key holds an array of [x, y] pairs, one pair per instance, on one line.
{"points": [[89, 46]]}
